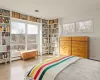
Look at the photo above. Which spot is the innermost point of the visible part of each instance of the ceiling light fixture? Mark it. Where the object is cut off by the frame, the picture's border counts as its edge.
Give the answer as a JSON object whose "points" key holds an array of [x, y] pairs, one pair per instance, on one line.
{"points": [[36, 10]]}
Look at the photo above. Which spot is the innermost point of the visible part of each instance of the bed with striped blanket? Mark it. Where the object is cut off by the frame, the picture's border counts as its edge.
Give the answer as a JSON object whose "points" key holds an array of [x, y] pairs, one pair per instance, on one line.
{"points": [[65, 68]]}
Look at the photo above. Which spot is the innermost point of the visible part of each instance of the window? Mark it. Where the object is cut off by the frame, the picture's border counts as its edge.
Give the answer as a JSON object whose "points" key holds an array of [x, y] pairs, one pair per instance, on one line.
{"points": [[23, 37], [17, 28], [17, 33], [17, 37], [32, 33]]}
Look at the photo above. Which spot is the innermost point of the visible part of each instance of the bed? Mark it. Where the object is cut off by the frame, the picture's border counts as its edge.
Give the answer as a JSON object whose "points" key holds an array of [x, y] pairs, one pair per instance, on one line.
{"points": [[65, 68]]}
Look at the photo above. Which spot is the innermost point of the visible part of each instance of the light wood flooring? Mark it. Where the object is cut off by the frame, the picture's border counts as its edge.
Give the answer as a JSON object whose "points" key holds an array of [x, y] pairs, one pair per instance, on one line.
{"points": [[17, 69]]}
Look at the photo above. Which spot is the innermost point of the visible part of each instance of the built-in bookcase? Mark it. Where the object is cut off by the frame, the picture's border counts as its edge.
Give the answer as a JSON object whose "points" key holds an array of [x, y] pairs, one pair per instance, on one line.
{"points": [[4, 35], [50, 36], [54, 36], [45, 36], [50, 33]]}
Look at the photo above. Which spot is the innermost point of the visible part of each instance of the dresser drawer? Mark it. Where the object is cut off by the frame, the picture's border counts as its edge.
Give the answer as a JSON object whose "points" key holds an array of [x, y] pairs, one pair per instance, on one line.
{"points": [[80, 38], [81, 52], [65, 43], [81, 55], [65, 50], [63, 53], [79, 44], [65, 38], [79, 49]]}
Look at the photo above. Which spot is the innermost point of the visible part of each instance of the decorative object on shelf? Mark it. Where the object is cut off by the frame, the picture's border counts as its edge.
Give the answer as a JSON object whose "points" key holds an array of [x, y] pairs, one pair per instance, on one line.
{"points": [[55, 21], [38, 20], [7, 13], [8, 48], [7, 28], [44, 21], [25, 17], [4, 12], [51, 21], [15, 15], [4, 19], [1, 27], [1, 19], [84, 26], [69, 28]]}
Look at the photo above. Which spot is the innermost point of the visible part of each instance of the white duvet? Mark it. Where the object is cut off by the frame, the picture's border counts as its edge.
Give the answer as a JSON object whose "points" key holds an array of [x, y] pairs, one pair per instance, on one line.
{"points": [[82, 69]]}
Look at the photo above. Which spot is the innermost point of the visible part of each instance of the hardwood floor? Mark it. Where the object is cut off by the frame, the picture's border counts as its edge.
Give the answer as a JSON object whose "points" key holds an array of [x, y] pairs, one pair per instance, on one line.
{"points": [[17, 69]]}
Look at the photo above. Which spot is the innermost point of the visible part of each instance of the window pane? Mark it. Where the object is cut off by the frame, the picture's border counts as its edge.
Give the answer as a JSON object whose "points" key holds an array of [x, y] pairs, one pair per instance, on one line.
{"points": [[31, 46], [15, 48], [31, 38], [17, 39], [32, 29], [17, 28]]}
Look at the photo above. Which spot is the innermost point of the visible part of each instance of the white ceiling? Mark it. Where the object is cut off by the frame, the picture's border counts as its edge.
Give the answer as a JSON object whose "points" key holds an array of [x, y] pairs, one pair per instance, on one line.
{"points": [[51, 8]]}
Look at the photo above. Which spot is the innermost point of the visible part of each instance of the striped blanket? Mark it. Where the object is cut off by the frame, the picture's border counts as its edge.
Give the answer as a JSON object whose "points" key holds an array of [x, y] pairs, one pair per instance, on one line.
{"points": [[49, 69]]}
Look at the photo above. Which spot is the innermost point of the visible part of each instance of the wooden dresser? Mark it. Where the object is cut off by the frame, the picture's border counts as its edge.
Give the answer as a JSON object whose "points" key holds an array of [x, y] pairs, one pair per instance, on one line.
{"points": [[77, 46]]}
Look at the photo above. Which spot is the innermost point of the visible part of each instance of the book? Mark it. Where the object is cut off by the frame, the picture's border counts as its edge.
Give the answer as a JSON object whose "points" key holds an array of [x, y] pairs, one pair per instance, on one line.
{"points": [[0, 28]]}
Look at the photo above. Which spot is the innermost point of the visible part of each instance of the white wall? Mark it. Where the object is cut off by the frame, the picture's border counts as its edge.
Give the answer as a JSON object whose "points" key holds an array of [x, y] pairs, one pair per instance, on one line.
{"points": [[94, 41]]}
